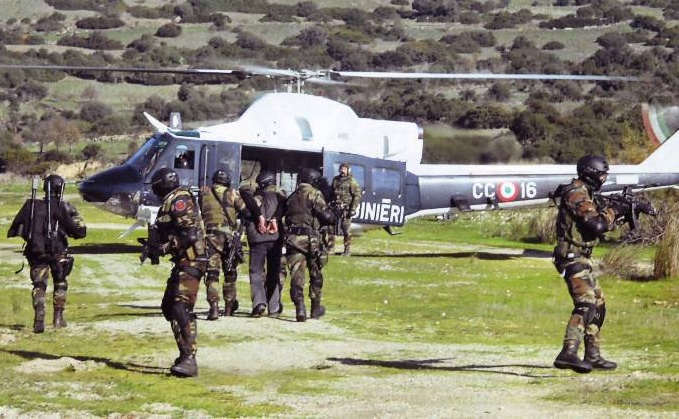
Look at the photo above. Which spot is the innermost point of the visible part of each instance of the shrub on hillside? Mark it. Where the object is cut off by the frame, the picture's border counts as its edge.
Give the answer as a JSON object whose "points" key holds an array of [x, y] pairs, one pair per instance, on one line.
{"points": [[91, 151], [169, 30], [100, 22]]}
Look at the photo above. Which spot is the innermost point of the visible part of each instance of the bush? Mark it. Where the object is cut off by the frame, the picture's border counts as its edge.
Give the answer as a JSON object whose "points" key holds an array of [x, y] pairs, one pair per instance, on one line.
{"points": [[623, 261], [169, 30], [100, 22], [666, 262], [91, 151]]}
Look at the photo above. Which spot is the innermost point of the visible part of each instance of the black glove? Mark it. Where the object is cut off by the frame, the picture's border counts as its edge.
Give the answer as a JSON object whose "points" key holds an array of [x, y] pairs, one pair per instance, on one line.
{"points": [[644, 208], [619, 207]]}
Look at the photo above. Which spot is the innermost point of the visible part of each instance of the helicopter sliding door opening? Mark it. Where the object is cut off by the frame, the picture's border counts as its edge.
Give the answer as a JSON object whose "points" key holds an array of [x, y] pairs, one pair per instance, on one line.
{"points": [[286, 164]]}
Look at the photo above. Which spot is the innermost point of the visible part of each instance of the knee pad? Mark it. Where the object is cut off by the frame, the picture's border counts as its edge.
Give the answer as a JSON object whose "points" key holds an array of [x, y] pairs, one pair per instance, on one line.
{"points": [[587, 311], [191, 271], [599, 316], [212, 275], [181, 314]]}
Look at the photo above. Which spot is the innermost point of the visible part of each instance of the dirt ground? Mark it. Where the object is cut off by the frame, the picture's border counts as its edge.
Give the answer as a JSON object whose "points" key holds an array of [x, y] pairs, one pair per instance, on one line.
{"points": [[376, 378]]}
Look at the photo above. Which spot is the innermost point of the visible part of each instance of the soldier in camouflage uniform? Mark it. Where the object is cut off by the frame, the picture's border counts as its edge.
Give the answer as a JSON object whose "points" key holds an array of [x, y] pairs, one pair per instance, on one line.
{"points": [[306, 212], [347, 198], [182, 235], [218, 207], [45, 226], [579, 225]]}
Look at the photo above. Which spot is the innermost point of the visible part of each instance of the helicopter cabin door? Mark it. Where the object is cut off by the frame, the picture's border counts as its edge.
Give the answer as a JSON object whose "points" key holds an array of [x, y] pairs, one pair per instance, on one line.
{"points": [[382, 183]]}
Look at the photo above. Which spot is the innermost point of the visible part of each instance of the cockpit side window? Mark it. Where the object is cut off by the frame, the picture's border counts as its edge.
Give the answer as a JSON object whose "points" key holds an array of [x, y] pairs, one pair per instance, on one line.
{"points": [[184, 157], [386, 182]]}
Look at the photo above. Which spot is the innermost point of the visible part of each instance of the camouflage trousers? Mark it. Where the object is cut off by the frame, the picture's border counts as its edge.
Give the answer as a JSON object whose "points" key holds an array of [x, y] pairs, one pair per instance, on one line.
{"points": [[179, 299], [297, 263], [217, 248], [588, 299], [41, 268]]}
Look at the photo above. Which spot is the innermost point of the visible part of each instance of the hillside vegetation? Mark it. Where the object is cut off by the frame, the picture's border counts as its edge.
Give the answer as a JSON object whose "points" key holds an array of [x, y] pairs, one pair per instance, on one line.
{"points": [[548, 120]]}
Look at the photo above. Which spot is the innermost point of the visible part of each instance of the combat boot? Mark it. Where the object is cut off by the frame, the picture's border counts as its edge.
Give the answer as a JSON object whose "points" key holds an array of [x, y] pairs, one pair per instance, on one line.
{"points": [[568, 358], [230, 307], [58, 320], [317, 310], [213, 313], [186, 366], [300, 312], [593, 355], [39, 319], [347, 250]]}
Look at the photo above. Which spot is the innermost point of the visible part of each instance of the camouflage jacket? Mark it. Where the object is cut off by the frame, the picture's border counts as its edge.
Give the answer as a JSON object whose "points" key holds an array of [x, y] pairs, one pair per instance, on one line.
{"points": [[576, 209], [180, 226], [346, 191]]}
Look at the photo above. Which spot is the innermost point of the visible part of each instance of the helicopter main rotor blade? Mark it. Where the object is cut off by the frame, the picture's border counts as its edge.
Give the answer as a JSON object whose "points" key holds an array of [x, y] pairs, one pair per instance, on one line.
{"points": [[479, 76], [175, 70], [323, 76]]}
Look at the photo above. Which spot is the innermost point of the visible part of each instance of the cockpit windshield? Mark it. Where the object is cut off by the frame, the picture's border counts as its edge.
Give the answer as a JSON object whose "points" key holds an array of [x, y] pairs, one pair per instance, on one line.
{"points": [[145, 158]]}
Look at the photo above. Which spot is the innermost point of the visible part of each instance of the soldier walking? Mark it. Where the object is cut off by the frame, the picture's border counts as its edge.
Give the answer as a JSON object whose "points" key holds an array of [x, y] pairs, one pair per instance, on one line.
{"points": [[45, 225], [218, 207], [306, 212], [579, 225], [182, 235]]}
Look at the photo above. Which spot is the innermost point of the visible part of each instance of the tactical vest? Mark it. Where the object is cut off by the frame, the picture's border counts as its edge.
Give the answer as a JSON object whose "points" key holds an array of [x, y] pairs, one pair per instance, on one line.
{"points": [[566, 226], [299, 211], [211, 207]]}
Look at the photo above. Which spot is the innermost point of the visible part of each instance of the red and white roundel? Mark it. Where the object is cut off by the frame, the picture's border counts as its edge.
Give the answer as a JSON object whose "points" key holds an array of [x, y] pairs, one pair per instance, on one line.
{"points": [[507, 191]]}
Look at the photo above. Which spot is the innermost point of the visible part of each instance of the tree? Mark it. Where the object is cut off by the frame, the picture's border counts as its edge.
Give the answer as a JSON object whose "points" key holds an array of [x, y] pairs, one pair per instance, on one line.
{"points": [[56, 130]]}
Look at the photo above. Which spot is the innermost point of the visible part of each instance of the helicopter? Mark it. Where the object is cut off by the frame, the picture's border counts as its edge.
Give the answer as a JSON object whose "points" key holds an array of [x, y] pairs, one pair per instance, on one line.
{"points": [[284, 132]]}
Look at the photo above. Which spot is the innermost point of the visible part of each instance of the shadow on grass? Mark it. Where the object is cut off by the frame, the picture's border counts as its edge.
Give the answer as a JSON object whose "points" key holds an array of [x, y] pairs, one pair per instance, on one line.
{"points": [[499, 255], [145, 369], [433, 364], [104, 248]]}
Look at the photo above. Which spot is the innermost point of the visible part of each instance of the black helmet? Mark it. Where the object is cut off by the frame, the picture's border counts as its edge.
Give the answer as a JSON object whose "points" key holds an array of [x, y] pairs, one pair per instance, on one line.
{"points": [[53, 185], [164, 181], [310, 176], [266, 178], [220, 177], [590, 170]]}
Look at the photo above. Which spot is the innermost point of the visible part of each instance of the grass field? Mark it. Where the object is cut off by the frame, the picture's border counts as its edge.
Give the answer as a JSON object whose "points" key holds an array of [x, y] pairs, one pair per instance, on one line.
{"points": [[441, 320]]}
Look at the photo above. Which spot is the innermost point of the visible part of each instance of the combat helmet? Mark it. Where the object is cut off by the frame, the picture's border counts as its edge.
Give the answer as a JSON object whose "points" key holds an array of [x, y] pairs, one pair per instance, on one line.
{"points": [[310, 176], [266, 178], [591, 168], [222, 178], [164, 181], [53, 185]]}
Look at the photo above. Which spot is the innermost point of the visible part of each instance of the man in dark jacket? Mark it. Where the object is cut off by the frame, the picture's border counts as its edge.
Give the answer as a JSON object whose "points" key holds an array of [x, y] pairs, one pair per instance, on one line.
{"points": [[263, 212], [45, 225]]}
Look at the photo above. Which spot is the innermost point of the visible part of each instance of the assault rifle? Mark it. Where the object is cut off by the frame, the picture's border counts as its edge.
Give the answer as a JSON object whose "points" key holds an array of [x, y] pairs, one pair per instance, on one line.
{"points": [[234, 256], [151, 247], [628, 205], [339, 210], [34, 191], [52, 232]]}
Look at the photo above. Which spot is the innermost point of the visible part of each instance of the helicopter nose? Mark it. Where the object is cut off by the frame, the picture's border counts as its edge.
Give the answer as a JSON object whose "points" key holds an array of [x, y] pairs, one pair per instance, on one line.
{"points": [[114, 188]]}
